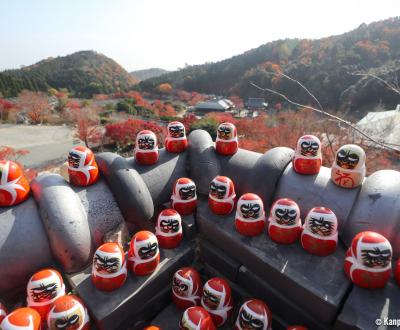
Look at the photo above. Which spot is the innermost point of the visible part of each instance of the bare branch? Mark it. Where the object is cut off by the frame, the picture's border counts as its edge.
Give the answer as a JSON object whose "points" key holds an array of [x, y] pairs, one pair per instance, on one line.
{"points": [[338, 119], [390, 86], [304, 87]]}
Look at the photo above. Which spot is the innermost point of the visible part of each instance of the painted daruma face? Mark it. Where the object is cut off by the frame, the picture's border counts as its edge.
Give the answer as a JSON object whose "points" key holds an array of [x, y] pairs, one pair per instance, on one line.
{"points": [[176, 130], [146, 142], [309, 146], [285, 212], [67, 313], [254, 315], [225, 131], [321, 221], [169, 221], [147, 249], [108, 259], [44, 286], [372, 250], [218, 190], [350, 157], [187, 192]]}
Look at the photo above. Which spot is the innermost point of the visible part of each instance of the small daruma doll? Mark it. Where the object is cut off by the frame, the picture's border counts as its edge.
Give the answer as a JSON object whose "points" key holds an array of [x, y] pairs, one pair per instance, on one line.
{"points": [[68, 313], [146, 148], [217, 300], [254, 314], [169, 229], [284, 223], [222, 196], [109, 267], [176, 140], [82, 167], [227, 141], [368, 260], [348, 169], [196, 318], [307, 158], [250, 215], [186, 288], [23, 319], [3, 312], [184, 197], [14, 187], [43, 288], [143, 255], [320, 231]]}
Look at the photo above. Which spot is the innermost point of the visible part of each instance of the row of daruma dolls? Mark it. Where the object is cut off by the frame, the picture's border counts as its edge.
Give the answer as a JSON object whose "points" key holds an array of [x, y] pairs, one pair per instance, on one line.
{"points": [[48, 306], [209, 306], [348, 170]]}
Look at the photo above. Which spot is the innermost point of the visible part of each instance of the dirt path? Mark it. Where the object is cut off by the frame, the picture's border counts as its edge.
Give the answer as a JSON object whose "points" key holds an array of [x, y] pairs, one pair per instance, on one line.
{"points": [[46, 144]]}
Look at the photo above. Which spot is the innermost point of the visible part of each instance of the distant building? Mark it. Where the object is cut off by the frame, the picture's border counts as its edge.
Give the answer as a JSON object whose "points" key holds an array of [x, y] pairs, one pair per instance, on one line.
{"points": [[383, 126], [215, 105], [255, 103]]}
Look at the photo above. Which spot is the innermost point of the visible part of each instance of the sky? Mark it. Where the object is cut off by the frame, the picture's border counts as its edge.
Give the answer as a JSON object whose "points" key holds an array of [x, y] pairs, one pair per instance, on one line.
{"points": [[168, 34]]}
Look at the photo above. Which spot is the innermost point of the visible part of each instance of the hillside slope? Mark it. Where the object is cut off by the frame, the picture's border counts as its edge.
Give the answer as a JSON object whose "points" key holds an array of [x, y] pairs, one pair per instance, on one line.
{"points": [[83, 73], [148, 73], [324, 66]]}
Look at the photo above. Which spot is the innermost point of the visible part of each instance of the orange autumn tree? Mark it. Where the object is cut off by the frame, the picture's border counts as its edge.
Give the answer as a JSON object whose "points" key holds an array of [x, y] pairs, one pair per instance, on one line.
{"points": [[34, 105], [165, 88]]}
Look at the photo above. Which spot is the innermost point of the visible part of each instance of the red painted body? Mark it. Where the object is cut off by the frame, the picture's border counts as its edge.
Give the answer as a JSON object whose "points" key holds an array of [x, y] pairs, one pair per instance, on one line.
{"points": [[307, 166], [196, 318], [222, 197], [14, 187], [22, 318], [284, 235]]}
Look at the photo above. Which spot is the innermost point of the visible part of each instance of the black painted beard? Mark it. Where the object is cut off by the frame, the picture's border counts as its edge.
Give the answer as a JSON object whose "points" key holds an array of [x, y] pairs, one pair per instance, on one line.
{"points": [[376, 258], [321, 227]]}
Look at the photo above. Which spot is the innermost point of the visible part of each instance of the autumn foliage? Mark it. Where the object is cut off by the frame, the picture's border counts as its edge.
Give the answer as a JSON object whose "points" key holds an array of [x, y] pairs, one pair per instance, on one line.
{"points": [[123, 134]]}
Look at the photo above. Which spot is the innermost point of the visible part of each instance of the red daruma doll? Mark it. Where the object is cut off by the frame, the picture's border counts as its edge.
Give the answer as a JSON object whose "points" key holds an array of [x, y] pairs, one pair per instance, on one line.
{"points": [[250, 215], [43, 288], [196, 318], [176, 140], [307, 157], [284, 223], [169, 229], [143, 255], [82, 167], [186, 288], [68, 313], [222, 196], [227, 141], [184, 197], [254, 314], [109, 267], [217, 300], [348, 169], [368, 260], [146, 148], [22, 319], [320, 234], [14, 187]]}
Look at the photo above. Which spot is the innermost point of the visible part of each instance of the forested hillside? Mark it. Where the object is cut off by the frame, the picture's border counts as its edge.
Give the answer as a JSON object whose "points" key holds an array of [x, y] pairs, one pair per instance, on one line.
{"points": [[325, 66], [148, 73], [83, 73]]}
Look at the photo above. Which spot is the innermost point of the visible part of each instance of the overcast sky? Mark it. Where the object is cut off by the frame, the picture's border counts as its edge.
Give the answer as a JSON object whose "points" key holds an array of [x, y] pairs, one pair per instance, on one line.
{"points": [[140, 34]]}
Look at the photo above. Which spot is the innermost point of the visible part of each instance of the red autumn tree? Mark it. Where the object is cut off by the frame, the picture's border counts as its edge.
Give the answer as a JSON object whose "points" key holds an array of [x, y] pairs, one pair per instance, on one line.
{"points": [[34, 105], [123, 134], [5, 107], [87, 123]]}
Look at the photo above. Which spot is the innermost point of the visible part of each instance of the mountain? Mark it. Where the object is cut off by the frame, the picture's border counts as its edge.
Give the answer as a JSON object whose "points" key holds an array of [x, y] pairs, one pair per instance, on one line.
{"points": [[83, 73], [148, 73], [325, 66]]}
